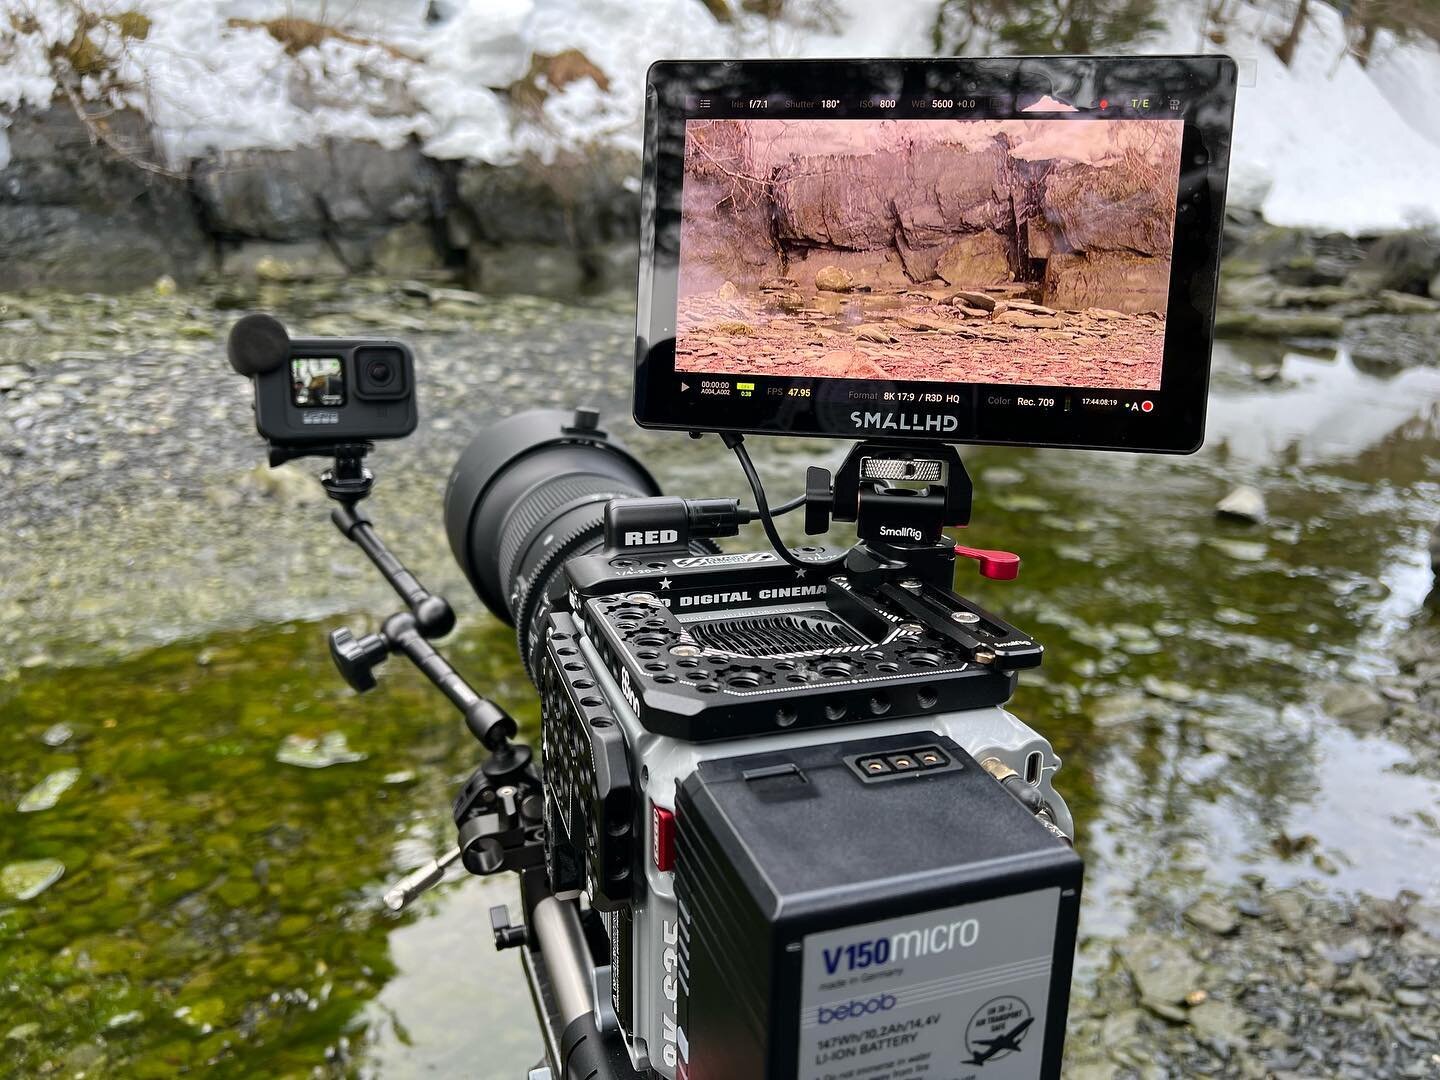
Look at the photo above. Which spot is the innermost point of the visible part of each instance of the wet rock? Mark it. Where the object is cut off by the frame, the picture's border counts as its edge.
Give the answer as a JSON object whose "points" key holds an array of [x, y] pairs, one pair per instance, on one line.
{"points": [[1021, 503], [409, 248], [1289, 907], [1357, 706], [1104, 209], [46, 794], [1002, 476], [1386, 343], [979, 259], [466, 297], [727, 291], [281, 263], [124, 1020], [536, 269], [1168, 690], [1213, 915], [23, 1032], [1399, 303], [849, 365], [285, 484], [1346, 950], [833, 279], [1403, 262], [1024, 320], [27, 880], [871, 332], [1162, 970], [1219, 1020], [1244, 503], [978, 300], [860, 201], [338, 188], [1107, 279], [12, 376], [1316, 296], [1425, 918], [57, 734], [306, 753], [1246, 551], [1231, 323]]}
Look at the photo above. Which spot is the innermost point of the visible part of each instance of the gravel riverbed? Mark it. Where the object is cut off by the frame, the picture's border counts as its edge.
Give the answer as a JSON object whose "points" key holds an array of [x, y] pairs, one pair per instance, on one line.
{"points": [[1247, 713]]}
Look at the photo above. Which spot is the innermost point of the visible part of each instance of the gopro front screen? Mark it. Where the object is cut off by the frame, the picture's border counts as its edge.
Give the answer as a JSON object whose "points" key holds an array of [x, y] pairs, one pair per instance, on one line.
{"points": [[317, 381], [988, 250]]}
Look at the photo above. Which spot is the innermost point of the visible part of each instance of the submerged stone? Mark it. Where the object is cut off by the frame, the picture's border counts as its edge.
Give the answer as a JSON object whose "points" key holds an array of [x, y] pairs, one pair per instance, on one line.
{"points": [[27, 880], [1239, 550], [1167, 690], [1162, 970], [1211, 914], [330, 749], [57, 734], [47, 793], [1245, 503]]}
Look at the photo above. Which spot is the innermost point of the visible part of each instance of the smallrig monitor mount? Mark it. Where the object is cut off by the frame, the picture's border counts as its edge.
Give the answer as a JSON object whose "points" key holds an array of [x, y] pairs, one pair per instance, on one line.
{"points": [[901, 498]]}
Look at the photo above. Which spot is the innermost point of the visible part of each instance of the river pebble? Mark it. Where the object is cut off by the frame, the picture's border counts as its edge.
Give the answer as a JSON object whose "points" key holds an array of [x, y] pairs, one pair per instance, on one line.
{"points": [[27, 880], [47, 793], [330, 749]]}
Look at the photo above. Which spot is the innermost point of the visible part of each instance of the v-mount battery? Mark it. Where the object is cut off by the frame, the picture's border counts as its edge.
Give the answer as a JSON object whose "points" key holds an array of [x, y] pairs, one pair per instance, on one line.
{"points": [[881, 909]]}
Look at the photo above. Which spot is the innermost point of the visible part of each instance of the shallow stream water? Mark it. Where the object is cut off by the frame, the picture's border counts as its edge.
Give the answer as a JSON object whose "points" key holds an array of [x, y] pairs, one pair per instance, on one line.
{"points": [[219, 899]]}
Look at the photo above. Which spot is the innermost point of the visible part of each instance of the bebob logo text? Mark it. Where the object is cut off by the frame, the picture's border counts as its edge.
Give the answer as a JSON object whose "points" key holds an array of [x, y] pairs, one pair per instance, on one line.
{"points": [[851, 1009]]}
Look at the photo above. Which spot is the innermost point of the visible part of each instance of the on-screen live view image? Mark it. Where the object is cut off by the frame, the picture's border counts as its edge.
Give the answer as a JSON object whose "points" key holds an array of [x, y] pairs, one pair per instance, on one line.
{"points": [[1027, 252]]}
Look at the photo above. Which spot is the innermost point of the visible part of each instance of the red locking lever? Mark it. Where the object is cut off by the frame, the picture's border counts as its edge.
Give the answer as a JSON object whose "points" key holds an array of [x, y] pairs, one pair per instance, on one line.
{"points": [[999, 565]]}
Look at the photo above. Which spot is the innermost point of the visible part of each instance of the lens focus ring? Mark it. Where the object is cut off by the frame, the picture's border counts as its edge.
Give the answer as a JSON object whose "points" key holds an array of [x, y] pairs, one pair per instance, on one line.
{"points": [[540, 506]]}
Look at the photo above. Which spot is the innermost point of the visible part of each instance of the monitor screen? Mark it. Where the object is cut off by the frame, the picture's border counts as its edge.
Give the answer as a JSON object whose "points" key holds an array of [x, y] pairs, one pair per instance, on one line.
{"points": [[1020, 262]]}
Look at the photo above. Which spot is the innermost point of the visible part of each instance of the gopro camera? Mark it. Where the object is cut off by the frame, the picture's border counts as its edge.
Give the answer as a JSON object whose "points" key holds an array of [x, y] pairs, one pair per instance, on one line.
{"points": [[316, 392]]}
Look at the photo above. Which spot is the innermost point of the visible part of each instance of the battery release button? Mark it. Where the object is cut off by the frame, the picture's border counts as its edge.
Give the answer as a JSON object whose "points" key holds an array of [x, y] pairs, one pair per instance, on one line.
{"points": [[662, 837]]}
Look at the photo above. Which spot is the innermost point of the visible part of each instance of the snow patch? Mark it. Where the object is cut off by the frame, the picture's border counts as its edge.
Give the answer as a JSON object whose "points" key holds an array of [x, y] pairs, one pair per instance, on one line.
{"points": [[1324, 143]]}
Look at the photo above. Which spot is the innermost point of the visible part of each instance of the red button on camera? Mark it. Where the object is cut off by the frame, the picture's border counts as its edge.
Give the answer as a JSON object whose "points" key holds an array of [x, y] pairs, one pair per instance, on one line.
{"points": [[1147, 406], [662, 837]]}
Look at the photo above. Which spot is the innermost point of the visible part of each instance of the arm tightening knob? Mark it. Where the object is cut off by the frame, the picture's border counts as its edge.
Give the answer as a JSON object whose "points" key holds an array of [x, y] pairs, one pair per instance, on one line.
{"points": [[356, 660], [819, 500]]}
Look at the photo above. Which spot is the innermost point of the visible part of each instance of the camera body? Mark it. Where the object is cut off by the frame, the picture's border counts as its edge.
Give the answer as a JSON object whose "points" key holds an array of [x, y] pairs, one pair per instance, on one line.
{"points": [[334, 390], [778, 787]]}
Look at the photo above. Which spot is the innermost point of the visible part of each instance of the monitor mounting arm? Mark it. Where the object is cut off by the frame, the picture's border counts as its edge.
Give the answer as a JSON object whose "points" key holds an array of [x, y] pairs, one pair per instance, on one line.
{"points": [[902, 497]]}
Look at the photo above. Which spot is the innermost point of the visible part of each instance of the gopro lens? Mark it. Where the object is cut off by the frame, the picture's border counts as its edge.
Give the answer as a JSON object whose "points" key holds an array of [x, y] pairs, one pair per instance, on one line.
{"points": [[380, 372]]}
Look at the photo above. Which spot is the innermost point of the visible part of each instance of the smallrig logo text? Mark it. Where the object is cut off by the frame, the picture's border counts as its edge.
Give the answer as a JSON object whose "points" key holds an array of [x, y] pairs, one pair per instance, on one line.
{"points": [[850, 1009], [918, 422], [903, 532]]}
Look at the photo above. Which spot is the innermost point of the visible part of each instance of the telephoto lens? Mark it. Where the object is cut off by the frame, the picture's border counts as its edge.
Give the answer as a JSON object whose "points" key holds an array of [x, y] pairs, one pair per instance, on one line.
{"points": [[527, 494]]}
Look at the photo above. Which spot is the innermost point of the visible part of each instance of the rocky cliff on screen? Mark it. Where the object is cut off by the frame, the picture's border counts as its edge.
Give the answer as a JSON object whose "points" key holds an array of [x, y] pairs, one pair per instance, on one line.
{"points": [[1030, 251]]}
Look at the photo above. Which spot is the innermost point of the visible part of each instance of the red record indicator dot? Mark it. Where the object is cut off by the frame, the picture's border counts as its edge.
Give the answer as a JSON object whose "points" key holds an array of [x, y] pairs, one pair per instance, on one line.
{"points": [[1104, 103], [1147, 406]]}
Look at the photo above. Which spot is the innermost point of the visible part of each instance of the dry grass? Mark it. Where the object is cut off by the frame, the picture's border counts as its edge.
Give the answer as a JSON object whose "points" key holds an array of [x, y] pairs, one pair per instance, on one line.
{"points": [[297, 35], [549, 72]]}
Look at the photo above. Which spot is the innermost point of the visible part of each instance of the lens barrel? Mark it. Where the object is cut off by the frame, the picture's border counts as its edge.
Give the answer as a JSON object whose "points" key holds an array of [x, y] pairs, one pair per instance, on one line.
{"points": [[528, 493]]}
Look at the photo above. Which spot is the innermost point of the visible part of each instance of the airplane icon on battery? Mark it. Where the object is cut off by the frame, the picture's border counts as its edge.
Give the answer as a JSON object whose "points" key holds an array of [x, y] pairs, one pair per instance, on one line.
{"points": [[1001, 1044]]}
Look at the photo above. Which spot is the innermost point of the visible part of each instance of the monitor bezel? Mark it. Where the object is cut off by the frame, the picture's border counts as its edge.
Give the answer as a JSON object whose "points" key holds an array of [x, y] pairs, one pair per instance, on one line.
{"points": [[1175, 419]]}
